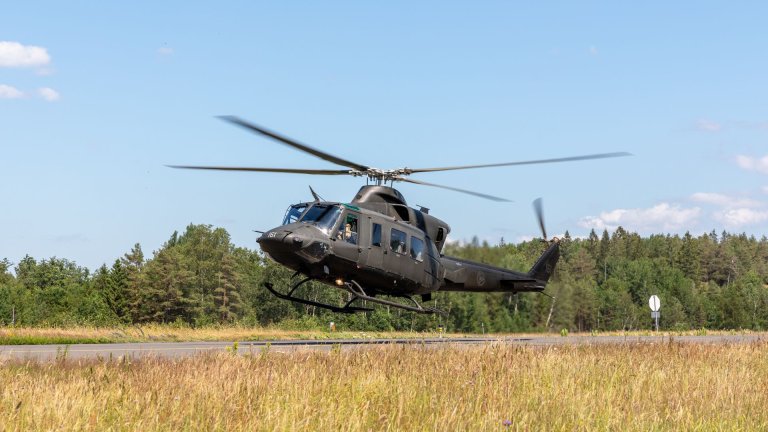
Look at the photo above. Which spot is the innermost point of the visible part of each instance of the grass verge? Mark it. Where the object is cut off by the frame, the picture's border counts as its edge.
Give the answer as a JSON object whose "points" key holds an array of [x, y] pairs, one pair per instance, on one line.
{"points": [[166, 333], [174, 333]]}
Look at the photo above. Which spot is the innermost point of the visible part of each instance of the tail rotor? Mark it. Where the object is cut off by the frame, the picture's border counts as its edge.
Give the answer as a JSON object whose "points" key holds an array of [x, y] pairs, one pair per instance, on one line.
{"points": [[538, 208]]}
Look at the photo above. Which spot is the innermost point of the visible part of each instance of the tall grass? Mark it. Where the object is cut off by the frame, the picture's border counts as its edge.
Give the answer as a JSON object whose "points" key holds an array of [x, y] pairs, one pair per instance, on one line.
{"points": [[641, 387]]}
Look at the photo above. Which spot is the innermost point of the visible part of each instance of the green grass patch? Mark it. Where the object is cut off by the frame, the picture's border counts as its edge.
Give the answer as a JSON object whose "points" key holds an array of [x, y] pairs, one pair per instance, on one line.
{"points": [[54, 340]]}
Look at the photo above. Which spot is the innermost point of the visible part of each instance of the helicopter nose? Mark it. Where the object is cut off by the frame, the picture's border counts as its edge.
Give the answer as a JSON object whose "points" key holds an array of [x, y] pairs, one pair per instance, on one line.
{"points": [[279, 241]]}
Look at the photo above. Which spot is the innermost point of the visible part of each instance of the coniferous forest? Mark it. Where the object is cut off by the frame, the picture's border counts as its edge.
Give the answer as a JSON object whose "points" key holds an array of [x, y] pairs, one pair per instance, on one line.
{"points": [[199, 278]]}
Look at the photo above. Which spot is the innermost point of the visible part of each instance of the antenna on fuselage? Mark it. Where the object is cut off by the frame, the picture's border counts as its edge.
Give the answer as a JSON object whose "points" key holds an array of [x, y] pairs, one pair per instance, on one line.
{"points": [[315, 195]]}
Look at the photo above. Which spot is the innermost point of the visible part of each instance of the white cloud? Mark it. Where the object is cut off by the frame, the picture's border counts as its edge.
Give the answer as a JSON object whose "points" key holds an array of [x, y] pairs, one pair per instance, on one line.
{"points": [[14, 54], [734, 218], [765, 189], [48, 94], [753, 164], [165, 51], [8, 92], [708, 125], [722, 200], [734, 212], [663, 216]]}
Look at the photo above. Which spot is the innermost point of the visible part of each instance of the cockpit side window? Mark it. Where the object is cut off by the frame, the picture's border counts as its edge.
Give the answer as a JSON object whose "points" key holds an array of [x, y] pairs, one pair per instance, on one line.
{"points": [[348, 230], [294, 213]]}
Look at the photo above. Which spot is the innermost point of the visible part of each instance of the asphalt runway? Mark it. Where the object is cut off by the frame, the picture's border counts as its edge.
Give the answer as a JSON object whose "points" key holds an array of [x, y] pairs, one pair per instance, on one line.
{"points": [[185, 349]]}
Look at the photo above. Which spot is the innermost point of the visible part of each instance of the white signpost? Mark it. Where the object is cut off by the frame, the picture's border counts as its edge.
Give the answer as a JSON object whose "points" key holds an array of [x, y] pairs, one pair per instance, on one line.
{"points": [[655, 304]]}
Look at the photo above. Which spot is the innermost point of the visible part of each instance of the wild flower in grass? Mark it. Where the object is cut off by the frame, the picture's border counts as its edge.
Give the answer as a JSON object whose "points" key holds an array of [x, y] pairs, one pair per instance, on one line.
{"points": [[233, 349], [507, 423]]}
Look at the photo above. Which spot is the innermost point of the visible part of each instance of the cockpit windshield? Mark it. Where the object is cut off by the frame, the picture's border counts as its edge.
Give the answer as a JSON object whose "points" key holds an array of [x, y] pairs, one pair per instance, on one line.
{"points": [[294, 213], [323, 216]]}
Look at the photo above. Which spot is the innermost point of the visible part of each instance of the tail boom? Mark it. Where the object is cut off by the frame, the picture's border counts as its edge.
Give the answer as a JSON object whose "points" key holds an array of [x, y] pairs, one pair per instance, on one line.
{"points": [[470, 276]]}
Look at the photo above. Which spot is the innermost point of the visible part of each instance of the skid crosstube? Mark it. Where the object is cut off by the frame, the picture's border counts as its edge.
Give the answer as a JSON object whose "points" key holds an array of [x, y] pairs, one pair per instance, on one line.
{"points": [[356, 290], [346, 309]]}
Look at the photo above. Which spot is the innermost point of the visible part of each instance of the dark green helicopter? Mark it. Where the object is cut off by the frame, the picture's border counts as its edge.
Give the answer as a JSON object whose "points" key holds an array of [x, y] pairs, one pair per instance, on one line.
{"points": [[376, 245]]}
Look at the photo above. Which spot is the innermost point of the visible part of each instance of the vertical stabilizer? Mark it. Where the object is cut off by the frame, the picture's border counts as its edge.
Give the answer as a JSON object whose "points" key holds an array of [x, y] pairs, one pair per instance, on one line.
{"points": [[545, 265]]}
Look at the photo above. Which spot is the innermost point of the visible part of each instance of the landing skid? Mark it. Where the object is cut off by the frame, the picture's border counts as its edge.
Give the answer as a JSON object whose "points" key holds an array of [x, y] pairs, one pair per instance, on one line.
{"points": [[357, 293], [345, 309]]}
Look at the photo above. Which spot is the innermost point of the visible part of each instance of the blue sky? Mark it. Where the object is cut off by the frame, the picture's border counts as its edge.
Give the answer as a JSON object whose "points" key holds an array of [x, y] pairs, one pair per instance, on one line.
{"points": [[96, 98]]}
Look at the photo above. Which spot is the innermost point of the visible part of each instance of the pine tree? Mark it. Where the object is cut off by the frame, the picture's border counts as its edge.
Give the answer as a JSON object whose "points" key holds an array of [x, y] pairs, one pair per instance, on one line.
{"points": [[602, 255], [593, 242], [133, 264], [203, 249], [166, 297], [226, 295], [5, 276], [688, 258], [112, 286]]}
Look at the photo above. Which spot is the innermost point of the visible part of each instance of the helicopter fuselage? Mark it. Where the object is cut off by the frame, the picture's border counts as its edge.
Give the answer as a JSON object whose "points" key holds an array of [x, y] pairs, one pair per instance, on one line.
{"points": [[387, 248], [351, 243]]}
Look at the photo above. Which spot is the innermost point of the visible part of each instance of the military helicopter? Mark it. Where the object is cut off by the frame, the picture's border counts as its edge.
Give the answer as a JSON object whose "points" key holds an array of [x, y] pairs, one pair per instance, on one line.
{"points": [[376, 245]]}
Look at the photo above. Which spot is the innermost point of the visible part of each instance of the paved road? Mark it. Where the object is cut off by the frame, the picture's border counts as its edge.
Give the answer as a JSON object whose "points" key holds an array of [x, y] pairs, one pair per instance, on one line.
{"points": [[182, 349]]}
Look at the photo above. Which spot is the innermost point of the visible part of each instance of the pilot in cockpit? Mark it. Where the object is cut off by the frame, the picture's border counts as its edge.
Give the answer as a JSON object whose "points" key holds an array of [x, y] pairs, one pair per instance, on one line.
{"points": [[349, 233]]}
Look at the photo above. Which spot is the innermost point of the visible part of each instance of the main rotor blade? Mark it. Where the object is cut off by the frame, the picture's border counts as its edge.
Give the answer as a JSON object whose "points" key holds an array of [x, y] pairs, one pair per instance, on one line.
{"points": [[295, 144], [277, 170], [538, 208], [531, 162], [478, 194]]}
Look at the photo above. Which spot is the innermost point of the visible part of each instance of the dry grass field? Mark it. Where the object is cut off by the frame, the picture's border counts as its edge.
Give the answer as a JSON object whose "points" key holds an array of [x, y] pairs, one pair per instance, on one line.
{"points": [[642, 387], [168, 333]]}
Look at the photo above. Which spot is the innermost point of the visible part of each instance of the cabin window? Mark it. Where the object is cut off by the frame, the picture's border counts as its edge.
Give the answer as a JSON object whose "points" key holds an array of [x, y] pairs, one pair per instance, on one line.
{"points": [[397, 241], [417, 249], [376, 235], [348, 231], [294, 213]]}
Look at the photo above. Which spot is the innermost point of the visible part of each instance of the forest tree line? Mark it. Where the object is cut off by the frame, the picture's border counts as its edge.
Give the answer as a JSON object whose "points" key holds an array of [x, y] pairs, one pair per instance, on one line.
{"points": [[602, 282]]}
